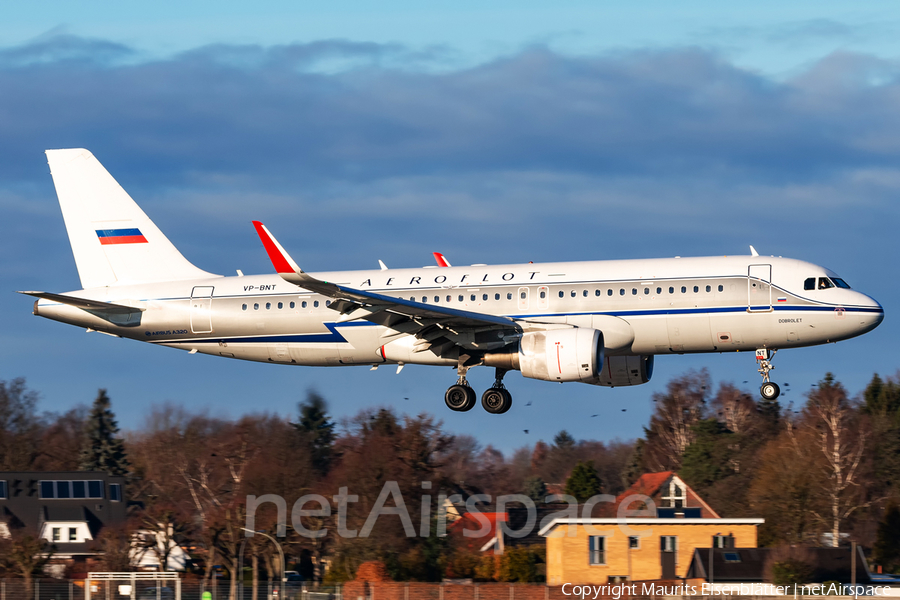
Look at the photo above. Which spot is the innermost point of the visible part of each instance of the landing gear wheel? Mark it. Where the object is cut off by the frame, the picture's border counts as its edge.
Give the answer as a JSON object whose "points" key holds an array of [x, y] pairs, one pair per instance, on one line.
{"points": [[460, 398], [496, 400], [769, 390]]}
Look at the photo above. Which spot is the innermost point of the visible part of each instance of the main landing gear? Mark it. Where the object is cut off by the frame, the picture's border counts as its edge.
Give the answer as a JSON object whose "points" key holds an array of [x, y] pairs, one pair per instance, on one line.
{"points": [[461, 397], [769, 389]]}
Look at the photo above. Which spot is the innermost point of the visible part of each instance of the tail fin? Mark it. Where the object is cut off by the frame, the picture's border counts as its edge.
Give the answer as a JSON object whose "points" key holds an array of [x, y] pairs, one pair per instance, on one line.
{"points": [[113, 241]]}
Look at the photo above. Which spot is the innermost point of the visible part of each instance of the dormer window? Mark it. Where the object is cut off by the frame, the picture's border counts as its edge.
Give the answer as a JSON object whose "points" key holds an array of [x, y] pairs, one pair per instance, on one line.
{"points": [[677, 496]]}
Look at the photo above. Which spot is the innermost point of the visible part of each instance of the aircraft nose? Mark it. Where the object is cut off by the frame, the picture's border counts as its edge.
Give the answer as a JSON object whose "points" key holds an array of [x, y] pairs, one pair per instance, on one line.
{"points": [[872, 313]]}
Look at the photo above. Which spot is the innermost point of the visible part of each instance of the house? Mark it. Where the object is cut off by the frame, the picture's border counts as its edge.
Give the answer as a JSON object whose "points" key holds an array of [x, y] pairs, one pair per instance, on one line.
{"points": [[748, 565], [68, 509], [649, 532]]}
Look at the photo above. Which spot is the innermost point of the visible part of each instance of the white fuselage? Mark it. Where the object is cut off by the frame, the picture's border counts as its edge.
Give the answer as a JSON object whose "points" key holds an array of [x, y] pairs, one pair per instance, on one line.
{"points": [[675, 305]]}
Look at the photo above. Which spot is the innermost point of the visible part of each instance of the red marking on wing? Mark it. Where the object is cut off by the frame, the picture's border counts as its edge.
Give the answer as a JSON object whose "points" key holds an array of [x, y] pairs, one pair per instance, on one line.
{"points": [[278, 260]]}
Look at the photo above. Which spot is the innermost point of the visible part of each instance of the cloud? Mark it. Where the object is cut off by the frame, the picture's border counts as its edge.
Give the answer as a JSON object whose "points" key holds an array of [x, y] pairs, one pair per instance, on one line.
{"points": [[523, 140]]}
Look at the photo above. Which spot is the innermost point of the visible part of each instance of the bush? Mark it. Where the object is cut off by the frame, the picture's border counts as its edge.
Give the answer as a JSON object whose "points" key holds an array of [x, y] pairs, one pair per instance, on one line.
{"points": [[791, 571]]}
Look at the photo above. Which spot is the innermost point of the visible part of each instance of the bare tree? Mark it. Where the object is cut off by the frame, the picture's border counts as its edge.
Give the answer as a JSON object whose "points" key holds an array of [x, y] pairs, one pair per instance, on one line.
{"points": [[671, 426], [841, 440]]}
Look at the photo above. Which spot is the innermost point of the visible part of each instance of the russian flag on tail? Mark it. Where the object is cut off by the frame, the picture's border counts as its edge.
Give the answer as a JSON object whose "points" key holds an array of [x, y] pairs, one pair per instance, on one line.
{"points": [[121, 236]]}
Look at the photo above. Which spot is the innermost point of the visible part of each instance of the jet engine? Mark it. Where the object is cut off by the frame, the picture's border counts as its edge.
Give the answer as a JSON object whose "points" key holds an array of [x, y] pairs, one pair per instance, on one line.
{"points": [[625, 370], [574, 354]]}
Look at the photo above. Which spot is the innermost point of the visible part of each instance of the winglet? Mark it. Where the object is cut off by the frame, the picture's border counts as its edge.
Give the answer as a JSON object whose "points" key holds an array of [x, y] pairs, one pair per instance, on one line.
{"points": [[281, 260], [753, 251], [441, 261]]}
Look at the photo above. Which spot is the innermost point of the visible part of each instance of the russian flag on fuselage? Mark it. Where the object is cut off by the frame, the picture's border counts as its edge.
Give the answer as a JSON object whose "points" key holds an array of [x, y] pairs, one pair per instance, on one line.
{"points": [[121, 236]]}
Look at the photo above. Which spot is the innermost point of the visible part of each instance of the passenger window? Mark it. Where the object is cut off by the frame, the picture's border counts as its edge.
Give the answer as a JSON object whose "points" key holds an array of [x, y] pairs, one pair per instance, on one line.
{"points": [[448, 298], [646, 291], [522, 295], [658, 291], [437, 299], [268, 305], [497, 296], [316, 303], [621, 291], [721, 288], [572, 293], [543, 294], [293, 305], [809, 284], [280, 305], [825, 283], [472, 298], [328, 303], [609, 292], [671, 290], [460, 298], [509, 296], [243, 307], [562, 294], [683, 290], [840, 283], [596, 292], [484, 297], [696, 289], [584, 293], [709, 288], [634, 291], [303, 304]]}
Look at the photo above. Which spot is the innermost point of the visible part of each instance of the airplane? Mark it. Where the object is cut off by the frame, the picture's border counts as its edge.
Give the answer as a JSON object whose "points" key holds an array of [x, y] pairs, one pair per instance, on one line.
{"points": [[594, 322]]}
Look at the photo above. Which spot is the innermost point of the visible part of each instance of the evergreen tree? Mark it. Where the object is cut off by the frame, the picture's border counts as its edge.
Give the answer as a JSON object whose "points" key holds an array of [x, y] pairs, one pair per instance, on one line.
{"points": [[102, 450], [706, 460], [886, 551], [318, 430], [584, 482], [535, 488], [563, 440], [770, 412]]}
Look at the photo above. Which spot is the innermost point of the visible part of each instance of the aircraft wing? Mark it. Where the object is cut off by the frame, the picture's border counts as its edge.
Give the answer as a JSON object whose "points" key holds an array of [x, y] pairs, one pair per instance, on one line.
{"points": [[438, 328]]}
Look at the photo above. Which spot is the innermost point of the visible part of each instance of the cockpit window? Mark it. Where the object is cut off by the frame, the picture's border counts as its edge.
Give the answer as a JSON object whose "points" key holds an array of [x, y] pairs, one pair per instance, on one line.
{"points": [[825, 283], [840, 283], [809, 284]]}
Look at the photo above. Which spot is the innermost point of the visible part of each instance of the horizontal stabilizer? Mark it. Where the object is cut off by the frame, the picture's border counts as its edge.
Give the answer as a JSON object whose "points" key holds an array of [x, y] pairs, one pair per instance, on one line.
{"points": [[94, 306]]}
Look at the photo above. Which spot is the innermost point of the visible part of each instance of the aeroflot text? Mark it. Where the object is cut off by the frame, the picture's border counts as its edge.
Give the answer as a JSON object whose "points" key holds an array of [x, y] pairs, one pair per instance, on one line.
{"points": [[618, 590]]}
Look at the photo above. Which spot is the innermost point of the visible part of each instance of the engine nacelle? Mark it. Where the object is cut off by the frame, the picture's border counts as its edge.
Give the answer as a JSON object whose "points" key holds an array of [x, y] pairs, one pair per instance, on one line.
{"points": [[625, 370], [561, 354]]}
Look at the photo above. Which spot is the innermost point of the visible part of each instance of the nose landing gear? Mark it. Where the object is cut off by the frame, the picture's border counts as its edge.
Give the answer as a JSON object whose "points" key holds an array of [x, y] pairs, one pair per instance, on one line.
{"points": [[769, 389]]}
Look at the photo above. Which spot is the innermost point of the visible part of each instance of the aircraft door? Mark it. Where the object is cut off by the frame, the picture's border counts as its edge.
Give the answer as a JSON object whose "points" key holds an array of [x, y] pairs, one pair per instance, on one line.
{"points": [[523, 298], [759, 288], [543, 299], [201, 309]]}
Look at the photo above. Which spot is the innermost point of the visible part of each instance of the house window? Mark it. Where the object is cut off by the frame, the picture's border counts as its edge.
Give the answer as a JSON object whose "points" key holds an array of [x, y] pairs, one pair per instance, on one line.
{"points": [[597, 550], [78, 489], [73, 534], [4, 494], [677, 497], [47, 490], [668, 543], [115, 492], [634, 542], [63, 489], [56, 534], [95, 489]]}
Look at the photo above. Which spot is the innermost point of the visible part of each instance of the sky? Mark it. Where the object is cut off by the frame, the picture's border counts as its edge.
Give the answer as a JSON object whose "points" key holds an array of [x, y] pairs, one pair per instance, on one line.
{"points": [[494, 132]]}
